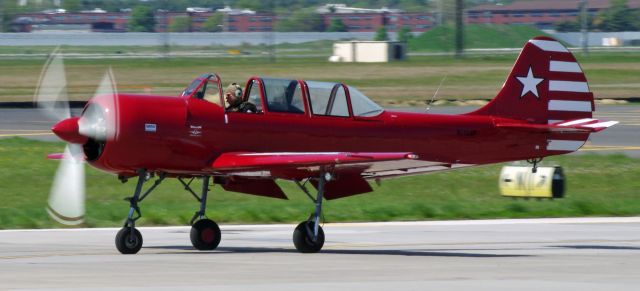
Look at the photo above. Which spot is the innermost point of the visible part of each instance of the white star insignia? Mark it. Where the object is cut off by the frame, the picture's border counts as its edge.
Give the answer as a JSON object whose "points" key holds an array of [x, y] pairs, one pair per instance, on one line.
{"points": [[530, 83]]}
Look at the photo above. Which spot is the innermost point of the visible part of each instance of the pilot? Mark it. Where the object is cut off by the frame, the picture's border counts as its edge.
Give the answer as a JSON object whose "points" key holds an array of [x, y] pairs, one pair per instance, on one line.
{"points": [[233, 95]]}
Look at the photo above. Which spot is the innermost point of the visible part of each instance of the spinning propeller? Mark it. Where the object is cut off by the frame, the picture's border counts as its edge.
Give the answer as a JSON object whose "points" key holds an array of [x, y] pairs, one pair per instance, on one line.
{"points": [[96, 126]]}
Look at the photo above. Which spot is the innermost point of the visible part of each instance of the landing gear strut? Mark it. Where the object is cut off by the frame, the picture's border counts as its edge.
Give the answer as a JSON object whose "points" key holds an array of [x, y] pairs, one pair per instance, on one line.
{"points": [[308, 237], [205, 233], [129, 239], [534, 162]]}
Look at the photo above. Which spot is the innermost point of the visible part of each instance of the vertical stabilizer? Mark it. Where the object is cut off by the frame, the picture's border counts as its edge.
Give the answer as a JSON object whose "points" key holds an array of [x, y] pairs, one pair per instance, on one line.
{"points": [[546, 85]]}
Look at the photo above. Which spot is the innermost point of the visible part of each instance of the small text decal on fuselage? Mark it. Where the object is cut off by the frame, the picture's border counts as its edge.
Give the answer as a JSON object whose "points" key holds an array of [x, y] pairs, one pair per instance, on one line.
{"points": [[150, 127], [196, 130]]}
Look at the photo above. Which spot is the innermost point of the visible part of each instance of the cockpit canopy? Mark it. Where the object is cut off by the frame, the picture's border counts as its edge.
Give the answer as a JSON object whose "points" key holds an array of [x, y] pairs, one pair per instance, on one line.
{"points": [[274, 95]]}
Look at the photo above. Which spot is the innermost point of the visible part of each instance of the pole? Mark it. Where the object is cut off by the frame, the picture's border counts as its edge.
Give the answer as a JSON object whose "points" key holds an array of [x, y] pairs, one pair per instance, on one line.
{"points": [[440, 12], [459, 28], [272, 34], [584, 28], [2, 16]]}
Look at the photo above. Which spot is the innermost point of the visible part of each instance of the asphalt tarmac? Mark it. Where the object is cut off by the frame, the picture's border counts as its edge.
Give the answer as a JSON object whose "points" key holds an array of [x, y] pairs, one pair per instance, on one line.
{"points": [[530, 254], [623, 137]]}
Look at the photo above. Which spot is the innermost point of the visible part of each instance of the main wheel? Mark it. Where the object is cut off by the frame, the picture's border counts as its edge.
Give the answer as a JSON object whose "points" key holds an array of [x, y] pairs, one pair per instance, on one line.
{"points": [[303, 238], [205, 235], [128, 243]]}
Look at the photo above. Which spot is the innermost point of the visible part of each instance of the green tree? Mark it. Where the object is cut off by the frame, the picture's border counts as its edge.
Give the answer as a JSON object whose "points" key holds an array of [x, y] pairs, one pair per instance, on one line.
{"points": [[337, 25], [413, 5], [213, 23], [142, 19], [181, 23], [381, 34], [619, 17], [404, 34], [72, 5], [567, 26], [254, 5], [7, 13], [636, 19]]}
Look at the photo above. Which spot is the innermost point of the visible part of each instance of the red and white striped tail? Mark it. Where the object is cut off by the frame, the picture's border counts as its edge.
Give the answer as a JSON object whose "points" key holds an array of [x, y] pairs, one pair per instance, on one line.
{"points": [[546, 86]]}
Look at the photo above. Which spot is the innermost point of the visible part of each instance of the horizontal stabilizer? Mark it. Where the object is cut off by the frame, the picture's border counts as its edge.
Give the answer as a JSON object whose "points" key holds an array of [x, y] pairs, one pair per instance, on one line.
{"points": [[585, 125]]}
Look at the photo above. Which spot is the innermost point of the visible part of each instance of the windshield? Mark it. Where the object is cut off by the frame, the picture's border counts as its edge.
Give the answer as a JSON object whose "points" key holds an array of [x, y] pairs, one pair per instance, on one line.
{"points": [[192, 87], [194, 84], [363, 106]]}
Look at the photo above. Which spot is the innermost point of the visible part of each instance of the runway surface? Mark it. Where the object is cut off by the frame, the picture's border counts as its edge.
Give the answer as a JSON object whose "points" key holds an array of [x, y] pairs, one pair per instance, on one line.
{"points": [[623, 137], [530, 254]]}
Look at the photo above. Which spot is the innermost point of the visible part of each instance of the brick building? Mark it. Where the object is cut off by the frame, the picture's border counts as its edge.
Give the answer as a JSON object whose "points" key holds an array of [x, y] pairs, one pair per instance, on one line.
{"points": [[246, 22], [542, 14], [99, 21]]}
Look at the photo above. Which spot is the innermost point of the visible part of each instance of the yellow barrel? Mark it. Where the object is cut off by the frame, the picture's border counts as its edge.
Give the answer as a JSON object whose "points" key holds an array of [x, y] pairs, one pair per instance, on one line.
{"points": [[520, 181]]}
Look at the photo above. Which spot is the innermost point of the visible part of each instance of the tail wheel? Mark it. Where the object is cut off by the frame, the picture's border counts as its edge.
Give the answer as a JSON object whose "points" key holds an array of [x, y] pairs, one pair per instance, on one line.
{"points": [[303, 238], [205, 235], [128, 241]]}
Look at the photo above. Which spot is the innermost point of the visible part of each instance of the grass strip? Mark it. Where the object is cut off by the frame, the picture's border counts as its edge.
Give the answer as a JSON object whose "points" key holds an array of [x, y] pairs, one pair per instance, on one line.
{"points": [[597, 185]]}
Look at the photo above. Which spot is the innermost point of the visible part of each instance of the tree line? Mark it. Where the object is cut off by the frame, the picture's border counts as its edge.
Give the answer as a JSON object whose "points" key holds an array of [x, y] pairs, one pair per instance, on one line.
{"points": [[618, 17], [275, 6]]}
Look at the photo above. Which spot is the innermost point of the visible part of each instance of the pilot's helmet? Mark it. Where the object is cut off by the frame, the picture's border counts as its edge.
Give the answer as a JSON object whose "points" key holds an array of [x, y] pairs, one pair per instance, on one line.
{"points": [[234, 89]]}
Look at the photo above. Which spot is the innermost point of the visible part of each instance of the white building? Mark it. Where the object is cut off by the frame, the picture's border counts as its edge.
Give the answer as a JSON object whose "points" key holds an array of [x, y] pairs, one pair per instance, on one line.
{"points": [[343, 8], [232, 11], [368, 51]]}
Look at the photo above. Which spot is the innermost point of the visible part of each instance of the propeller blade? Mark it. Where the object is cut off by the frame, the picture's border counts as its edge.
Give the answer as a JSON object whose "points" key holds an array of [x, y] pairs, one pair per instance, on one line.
{"points": [[51, 93], [67, 197], [100, 120]]}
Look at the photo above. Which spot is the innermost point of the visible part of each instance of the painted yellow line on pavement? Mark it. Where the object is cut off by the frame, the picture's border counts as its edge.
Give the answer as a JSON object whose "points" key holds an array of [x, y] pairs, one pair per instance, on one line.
{"points": [[24, 134]]}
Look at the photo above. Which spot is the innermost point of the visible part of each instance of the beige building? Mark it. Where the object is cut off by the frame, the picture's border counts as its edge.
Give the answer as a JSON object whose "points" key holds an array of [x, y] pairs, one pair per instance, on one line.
{"points": [[368, 51]]}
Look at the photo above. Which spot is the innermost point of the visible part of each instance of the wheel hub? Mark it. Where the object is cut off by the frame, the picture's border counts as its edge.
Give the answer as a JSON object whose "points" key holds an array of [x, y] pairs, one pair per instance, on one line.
{"points": [[207, 235], [131, 241]]}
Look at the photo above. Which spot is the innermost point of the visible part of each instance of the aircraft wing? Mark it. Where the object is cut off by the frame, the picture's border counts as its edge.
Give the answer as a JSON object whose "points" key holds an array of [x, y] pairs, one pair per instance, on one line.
{"points": [[277, 160], [299, 165], [251, 173]]}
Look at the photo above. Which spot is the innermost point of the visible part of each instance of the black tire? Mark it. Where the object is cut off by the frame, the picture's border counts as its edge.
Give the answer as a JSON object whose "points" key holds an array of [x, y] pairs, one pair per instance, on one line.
{"points": [[302, 238], [128, 244], [205, 235]]}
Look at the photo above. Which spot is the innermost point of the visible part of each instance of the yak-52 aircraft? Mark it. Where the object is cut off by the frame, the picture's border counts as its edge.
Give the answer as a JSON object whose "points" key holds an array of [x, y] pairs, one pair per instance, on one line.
{"points": [[323, 134]]}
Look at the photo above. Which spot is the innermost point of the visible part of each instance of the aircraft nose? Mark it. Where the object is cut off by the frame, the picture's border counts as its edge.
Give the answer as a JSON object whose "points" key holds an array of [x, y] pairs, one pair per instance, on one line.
{"points": [[68, 131]]}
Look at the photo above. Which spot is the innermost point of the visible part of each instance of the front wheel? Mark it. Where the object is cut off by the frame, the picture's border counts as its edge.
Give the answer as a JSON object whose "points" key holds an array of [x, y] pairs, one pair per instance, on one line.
{"points": [[128, 241], [303, 238], [205, 235]]}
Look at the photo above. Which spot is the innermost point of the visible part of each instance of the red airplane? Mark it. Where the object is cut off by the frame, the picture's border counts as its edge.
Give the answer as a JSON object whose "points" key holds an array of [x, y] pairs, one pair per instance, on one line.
{"points": [[329, 135]]}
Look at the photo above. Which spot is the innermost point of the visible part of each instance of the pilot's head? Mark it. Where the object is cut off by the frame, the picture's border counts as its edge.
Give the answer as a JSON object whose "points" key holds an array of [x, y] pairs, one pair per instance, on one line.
{"points": [[233, 94]]}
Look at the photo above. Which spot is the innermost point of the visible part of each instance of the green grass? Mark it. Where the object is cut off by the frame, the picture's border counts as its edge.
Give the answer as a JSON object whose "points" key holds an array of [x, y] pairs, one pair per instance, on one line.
{"points": [[475, 36], [597, 186]]}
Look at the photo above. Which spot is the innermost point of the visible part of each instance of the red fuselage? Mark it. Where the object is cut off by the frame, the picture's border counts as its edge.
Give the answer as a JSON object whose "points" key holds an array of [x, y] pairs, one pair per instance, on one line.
{"points": [[183, 136]]}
